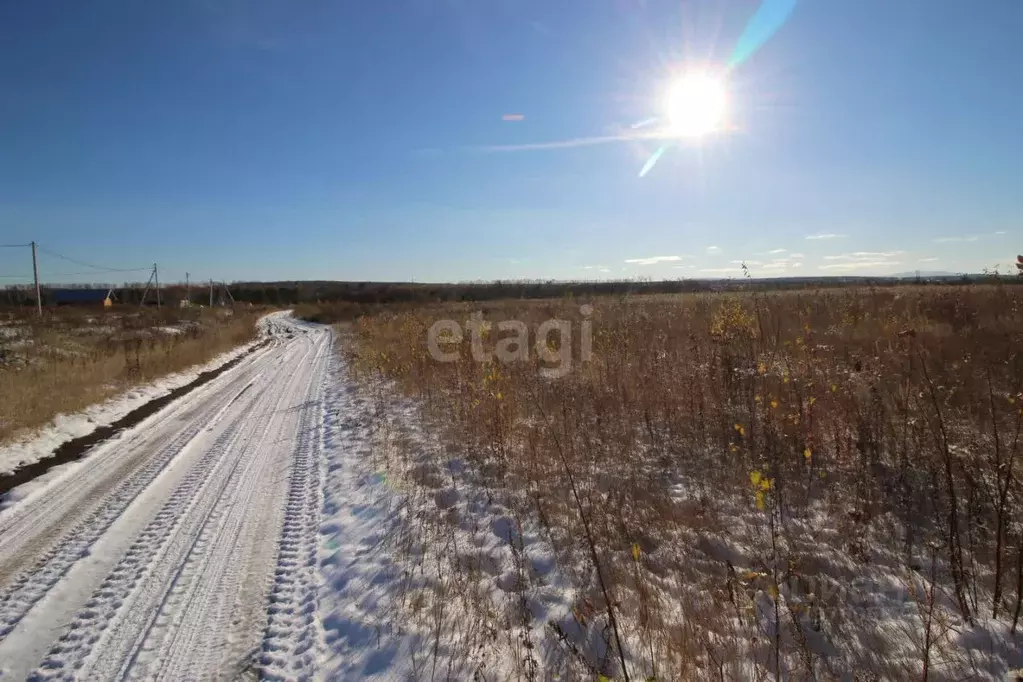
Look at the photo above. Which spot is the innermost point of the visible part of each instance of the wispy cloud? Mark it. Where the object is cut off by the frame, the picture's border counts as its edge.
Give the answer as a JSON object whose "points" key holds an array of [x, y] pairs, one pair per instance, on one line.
{"points": [[652, 260], [827, 235], [796, 255], [681, 267], [720, 271], [624, 136], [713, 249], [860, 265], [513, 117], [777, 251], [930, 259], [951, 240], [864, 255], [967, 237], [777, 265], [747, 262]]}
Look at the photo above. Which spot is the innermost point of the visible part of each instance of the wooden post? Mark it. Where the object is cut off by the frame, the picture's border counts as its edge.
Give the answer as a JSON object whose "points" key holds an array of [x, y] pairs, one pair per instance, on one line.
{"points": [[35, 274]]}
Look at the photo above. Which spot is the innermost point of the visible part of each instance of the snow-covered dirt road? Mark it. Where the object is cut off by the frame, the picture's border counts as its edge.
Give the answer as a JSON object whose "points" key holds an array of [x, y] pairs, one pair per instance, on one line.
{"points": [[186, 546]]}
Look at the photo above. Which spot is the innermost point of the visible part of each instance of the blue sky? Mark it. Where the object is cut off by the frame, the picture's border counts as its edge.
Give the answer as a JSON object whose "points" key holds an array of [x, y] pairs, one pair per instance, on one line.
{"points": [[269, 139]]}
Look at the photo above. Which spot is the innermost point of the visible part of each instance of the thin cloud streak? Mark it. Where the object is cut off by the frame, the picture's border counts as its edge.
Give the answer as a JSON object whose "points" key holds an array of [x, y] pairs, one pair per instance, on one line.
{"points": [[827, 235], [864, 255], [572, 142], [653, 260], [860, 265], [952, 240]]}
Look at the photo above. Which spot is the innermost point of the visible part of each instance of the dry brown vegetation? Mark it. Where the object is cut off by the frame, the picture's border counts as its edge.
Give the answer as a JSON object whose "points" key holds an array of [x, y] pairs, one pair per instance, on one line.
{"points": [[809, 485], [73, 357]]}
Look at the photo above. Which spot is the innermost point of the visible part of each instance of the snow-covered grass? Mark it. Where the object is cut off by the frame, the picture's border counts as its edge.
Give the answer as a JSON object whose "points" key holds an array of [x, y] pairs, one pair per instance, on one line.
{"points": [[41, 443], [738, 487], [72, 359], [425, 575]]}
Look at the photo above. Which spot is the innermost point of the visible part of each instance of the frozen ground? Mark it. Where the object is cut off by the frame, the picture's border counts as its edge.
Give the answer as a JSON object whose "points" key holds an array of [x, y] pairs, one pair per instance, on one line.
{"points": [[248, 529], [284, 522], [161, 553], [67, 427]]}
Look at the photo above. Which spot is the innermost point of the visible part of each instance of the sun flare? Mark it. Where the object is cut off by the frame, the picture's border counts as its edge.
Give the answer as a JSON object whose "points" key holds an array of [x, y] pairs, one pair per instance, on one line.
{"points": [[696, 105]]}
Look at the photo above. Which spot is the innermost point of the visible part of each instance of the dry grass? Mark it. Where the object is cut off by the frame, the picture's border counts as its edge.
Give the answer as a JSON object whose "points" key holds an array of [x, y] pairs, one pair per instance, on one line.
{"points": [[73, 358], [733, 477]]}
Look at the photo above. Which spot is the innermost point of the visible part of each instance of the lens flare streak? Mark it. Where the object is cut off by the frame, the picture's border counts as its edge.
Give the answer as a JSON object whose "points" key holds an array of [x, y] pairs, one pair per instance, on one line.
{"points": [[769, 17], [652, 161]]}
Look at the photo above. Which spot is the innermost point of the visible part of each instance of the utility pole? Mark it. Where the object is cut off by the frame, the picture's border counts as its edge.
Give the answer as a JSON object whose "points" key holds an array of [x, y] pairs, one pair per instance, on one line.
{"points": [[156, 275], [35, 274], [211, 292], [188, 291]]}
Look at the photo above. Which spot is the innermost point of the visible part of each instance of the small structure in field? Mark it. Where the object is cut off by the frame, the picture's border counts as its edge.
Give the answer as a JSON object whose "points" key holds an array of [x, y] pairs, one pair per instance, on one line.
{"points": [[84, 297]]}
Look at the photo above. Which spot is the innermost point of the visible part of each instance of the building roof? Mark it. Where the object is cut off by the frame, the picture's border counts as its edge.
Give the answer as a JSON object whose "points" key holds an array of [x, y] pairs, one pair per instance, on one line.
{"points": [[82, 295]]}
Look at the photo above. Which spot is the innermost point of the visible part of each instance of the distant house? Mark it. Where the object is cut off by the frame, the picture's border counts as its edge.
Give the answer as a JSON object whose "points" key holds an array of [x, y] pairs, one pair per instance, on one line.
{"points": [[84, 297]]}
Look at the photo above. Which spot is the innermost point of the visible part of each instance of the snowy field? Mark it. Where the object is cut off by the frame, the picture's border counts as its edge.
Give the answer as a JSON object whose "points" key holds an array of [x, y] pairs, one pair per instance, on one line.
{"points": [[289, 520], [250, 528]]}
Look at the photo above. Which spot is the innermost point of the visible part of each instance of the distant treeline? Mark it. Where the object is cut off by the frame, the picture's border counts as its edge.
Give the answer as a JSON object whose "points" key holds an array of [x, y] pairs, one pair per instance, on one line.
{"points": [[290, 293], [370, 293]]}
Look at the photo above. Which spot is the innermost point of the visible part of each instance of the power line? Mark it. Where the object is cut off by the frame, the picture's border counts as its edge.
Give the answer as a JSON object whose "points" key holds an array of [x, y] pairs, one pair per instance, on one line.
{"points": [[14, 246], [88, 265]]}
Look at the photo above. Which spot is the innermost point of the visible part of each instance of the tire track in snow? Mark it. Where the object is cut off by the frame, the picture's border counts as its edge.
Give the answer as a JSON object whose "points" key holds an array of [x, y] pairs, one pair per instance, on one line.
{"points": [[193, 647], [145, 592], [42, 519], [292, 631], [134, 579], [187, 536], [32, 583]]}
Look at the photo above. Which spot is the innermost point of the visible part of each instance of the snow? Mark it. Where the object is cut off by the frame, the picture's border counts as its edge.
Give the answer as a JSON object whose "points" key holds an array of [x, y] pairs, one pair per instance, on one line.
{"points": [[64, 427], [398, 531], [289, 521], [154, 555]]}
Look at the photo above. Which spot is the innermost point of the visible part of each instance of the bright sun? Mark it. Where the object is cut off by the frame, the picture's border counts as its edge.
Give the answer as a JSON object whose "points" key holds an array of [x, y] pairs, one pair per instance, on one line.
{"points": [[696, 105]]}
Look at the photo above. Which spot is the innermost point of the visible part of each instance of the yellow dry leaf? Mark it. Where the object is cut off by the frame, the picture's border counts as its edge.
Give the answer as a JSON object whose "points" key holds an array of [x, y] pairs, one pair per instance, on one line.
{"points": [[760, 500], [808, 454], [754, 478], [774, 404], [773, 591], [635, 551]]}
